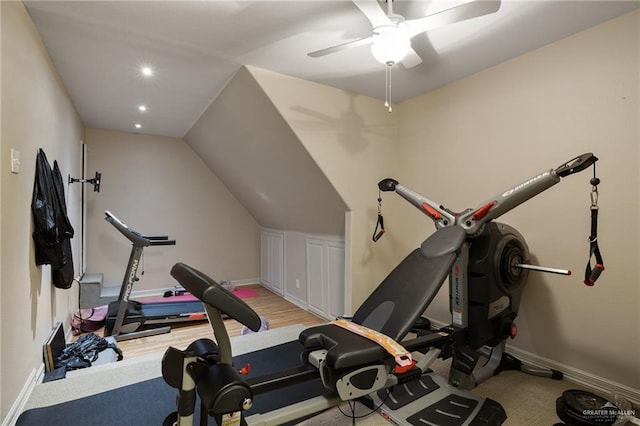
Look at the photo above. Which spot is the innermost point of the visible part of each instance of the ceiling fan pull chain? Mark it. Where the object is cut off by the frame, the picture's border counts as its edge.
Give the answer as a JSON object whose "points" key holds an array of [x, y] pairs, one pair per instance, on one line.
{"points": [[386, 87], [387, 98]]}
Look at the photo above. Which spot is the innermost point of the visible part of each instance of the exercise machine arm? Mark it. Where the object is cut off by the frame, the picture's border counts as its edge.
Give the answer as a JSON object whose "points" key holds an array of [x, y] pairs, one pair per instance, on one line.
{"points": [[472, 220], [500, 204], [436, 212]]}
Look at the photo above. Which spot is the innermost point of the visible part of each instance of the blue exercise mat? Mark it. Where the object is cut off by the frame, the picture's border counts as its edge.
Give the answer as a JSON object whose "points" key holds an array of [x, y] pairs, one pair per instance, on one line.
{"points": [[149, 402]]}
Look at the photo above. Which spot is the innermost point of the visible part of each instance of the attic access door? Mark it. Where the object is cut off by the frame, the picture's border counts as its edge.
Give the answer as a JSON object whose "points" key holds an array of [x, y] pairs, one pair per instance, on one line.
{"points": [[272, 260], [325, 276]]}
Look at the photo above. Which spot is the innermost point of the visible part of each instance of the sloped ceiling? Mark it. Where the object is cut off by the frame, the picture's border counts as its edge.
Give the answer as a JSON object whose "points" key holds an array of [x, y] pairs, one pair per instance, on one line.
{"points": [[196, 46], [250, 147]]}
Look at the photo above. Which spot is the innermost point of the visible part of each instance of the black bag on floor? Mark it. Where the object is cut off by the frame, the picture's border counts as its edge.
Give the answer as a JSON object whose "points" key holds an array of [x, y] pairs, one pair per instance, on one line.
{"points": [[84, 351]]}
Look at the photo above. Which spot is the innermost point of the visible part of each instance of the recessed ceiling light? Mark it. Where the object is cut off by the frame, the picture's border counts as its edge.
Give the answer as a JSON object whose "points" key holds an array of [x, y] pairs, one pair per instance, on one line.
{"points": [[142, 108], [138, 126], [147, 71]]}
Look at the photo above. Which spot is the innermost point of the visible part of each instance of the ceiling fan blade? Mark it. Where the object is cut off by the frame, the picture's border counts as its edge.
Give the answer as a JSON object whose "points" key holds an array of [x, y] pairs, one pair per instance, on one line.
{"points": [[459, 13], [373, 12], [411, 59], [339, 47]]}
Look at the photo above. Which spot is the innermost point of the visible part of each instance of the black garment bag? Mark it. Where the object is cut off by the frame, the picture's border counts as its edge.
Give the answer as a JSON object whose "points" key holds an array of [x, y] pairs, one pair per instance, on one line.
{"points": [[52, 228]]}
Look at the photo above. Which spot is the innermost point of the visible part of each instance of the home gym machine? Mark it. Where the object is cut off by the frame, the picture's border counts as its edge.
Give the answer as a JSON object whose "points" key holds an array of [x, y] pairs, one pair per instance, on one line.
{"points": [[487, 264], [128, 319]]}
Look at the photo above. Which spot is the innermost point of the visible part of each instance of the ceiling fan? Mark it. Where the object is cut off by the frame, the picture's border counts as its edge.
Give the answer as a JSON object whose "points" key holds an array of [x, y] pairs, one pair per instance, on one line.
{"points": [[391, 38], [392, 34]]}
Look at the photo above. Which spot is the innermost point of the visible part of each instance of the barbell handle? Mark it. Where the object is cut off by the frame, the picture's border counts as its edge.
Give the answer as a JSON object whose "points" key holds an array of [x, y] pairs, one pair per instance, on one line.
{"points": [[542, 269]]}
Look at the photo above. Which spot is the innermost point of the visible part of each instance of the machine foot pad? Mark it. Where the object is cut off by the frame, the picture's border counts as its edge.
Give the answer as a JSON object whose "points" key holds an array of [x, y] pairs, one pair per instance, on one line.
{"points": [[453, 410], [406, 393]]}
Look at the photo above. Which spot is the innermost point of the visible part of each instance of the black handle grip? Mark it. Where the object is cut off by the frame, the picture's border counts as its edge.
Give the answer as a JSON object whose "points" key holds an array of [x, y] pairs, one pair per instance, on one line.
{"points": [[163, 242], [595, 274], [387, 185]]}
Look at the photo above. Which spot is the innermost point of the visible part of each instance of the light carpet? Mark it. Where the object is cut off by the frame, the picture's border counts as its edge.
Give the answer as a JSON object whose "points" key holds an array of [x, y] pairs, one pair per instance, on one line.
{"points": [[528, 400]]}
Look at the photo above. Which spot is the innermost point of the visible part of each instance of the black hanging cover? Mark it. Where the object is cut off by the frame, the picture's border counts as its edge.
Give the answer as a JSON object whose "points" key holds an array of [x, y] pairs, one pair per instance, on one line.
{"points": [[63, 277], [52, 228]]}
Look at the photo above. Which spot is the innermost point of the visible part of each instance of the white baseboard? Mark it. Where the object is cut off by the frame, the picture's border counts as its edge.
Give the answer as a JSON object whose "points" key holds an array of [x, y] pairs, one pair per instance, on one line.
{"points": [[16, 409], [597, 384], [296, 301], [249, 281], [140, 294], [159, 292]]}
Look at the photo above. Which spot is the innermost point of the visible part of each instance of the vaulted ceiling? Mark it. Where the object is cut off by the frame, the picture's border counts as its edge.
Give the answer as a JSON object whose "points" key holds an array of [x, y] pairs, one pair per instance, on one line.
{"points": [[195, 47]]}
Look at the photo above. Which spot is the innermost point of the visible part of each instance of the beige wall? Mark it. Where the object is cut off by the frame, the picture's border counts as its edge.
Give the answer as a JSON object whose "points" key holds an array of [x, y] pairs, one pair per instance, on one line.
{"points": [[468, 141], [458, 145], [1, 174], [159, 186], [36, 113], [352, 138], [243, 139]]}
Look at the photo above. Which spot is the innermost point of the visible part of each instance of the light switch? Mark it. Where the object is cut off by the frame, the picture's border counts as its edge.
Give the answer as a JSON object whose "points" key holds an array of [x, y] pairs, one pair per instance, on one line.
{"points": [[15, 161]]}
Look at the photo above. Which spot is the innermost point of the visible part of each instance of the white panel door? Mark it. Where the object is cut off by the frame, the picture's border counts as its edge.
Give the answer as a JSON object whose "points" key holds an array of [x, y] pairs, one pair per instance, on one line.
{"points": [[315, 277], [264, 258], [335, 278], [276, 264]]}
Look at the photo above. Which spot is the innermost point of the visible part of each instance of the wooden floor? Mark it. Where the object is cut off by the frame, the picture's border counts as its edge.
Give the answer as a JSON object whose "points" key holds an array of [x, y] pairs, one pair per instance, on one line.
{"points": [[274, 308]]}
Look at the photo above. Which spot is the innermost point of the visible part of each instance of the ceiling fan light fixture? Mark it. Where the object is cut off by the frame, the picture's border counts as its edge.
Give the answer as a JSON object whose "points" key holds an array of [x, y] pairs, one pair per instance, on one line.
{"points": [[391, 43]]}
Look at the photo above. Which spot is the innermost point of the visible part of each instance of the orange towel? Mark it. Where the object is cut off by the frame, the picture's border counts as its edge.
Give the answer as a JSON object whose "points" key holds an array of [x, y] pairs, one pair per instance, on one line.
{"points": [[401, 356]]}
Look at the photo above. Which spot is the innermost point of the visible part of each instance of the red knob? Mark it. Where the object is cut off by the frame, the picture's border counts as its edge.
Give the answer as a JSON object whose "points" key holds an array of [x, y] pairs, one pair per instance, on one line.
{"points": [[513, 331]]}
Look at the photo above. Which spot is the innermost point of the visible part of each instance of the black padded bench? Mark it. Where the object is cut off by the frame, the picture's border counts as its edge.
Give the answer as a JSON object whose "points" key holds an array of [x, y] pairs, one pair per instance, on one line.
{"points": [[392, 309]]}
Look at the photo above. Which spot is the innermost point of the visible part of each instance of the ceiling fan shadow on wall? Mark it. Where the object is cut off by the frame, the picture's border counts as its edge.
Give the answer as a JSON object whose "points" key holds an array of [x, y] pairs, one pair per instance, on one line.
{"points": [[391, 34]]}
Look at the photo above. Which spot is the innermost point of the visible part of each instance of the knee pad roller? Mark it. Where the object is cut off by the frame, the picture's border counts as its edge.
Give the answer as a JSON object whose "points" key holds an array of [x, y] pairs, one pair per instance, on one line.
{"points": [[221, 388]]}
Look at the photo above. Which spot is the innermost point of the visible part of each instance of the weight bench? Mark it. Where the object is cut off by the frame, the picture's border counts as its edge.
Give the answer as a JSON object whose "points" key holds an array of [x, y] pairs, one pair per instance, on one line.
{"points": [[392, 309], [487, 265], [349, 365]]}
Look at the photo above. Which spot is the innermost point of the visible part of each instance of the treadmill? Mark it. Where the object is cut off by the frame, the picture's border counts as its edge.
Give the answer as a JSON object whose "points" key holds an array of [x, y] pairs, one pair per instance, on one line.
{"points": [[128, 319]]}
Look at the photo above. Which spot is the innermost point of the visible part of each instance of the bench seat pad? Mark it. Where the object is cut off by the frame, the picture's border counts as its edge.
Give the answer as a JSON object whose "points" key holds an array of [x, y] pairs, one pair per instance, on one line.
{"points": [[345, 349]]}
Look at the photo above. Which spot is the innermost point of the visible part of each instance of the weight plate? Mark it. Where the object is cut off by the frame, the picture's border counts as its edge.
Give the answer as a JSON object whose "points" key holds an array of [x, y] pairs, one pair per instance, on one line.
{"points": [[583, 408], [580, 400]]}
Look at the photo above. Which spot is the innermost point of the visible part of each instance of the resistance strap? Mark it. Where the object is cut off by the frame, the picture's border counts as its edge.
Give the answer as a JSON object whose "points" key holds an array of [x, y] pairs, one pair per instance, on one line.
{"points": [[591, 274], [379, 231], [401, 356]]}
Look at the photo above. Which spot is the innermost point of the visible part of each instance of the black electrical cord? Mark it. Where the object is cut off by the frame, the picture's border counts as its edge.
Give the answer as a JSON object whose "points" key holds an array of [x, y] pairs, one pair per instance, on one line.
{"points": [[352, 406]]}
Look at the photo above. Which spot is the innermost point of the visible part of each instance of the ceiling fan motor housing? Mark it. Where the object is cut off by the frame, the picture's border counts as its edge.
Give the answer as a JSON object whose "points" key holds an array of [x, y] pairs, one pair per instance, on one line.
{"points": [[391, 43]]}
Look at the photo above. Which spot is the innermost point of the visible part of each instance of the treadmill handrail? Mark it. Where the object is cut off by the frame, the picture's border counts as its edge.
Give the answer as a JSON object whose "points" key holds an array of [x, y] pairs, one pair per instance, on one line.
{"points": [[162, 242], [138, 239]]}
